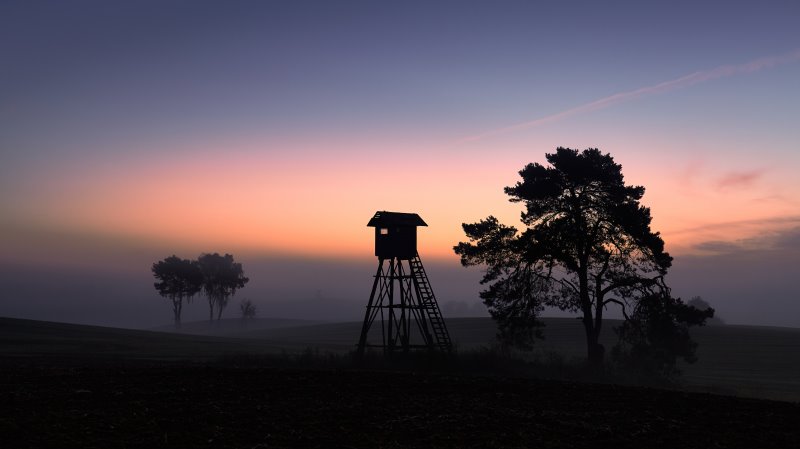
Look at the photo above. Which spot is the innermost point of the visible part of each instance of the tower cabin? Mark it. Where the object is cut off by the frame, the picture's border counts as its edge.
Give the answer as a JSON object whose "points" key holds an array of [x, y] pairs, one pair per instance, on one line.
{"points": [[395, 234]]}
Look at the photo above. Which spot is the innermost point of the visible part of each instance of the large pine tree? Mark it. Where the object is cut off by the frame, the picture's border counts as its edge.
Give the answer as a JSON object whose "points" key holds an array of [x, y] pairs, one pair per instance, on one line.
{"points": [[587, 245]]}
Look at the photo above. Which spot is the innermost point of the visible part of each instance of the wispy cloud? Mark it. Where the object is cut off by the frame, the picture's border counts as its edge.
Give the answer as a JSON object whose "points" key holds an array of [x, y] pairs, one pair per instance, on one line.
{"points": [[768, 222], [719, 247], [782, 240], [739, 179], [666, 86]]}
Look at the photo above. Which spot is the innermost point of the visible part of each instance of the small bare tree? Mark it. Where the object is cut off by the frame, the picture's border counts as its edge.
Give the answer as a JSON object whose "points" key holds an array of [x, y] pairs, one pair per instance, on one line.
{"points": [[248, 309]]}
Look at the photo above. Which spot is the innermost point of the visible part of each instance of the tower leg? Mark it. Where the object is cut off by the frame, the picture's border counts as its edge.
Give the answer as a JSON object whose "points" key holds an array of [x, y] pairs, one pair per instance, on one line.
{"points": [[389, 341], [406, 304], [415, 302], [362, 341]]}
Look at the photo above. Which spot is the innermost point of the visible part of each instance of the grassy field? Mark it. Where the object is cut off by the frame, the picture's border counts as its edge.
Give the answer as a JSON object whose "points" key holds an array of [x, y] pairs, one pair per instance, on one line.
{"points": [[761, 362], [232, 327], [29, 339], [740, 360]]}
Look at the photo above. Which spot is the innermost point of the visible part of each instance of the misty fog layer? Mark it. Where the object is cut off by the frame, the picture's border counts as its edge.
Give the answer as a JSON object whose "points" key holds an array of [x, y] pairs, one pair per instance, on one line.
{"points": [[745, 286]]}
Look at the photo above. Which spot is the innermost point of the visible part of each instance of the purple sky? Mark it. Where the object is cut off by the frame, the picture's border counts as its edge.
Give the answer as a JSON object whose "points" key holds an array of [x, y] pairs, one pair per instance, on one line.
{"points": [[130, 131]]}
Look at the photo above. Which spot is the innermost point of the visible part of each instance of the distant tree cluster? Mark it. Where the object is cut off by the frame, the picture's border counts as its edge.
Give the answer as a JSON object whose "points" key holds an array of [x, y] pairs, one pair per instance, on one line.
{"points": [[218, 277], [701, 304]]}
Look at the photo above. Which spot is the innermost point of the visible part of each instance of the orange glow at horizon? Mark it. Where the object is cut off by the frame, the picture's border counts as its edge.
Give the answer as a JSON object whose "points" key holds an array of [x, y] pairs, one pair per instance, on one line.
{"points": [[261, 202]]}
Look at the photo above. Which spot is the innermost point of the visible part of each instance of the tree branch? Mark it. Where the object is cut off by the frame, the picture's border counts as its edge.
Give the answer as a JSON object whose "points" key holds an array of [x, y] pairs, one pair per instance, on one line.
{"points": [[630, 282], [622, 304], [568, 284]]}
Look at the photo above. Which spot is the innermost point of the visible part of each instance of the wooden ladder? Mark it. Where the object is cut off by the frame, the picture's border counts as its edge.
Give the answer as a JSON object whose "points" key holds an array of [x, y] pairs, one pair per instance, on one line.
{"points": [[428, 303]]}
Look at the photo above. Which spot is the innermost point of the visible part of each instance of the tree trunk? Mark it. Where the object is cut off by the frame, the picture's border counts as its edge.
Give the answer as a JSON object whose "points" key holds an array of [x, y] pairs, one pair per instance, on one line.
{"points": [[595, 351], [597, 356], [176, 310], [219, 311], [598, 353], [210, 311]]}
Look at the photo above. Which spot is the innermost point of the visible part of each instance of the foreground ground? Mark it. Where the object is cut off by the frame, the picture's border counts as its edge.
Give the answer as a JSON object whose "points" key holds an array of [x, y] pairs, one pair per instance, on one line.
{"points": [[104, 403]]}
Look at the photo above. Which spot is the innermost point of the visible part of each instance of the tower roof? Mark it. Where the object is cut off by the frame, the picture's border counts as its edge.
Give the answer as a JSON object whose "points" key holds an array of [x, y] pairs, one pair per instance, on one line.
{"points": [[383, 218]]}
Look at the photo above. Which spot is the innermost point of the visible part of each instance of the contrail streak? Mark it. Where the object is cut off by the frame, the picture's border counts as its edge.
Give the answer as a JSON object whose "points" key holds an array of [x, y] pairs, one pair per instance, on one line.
{"points": [[666, 86]]}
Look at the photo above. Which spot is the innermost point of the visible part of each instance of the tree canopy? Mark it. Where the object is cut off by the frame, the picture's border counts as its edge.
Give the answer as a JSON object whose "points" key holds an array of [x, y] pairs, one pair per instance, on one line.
{"points": [[222, 277], [178, 279], [587, 245]]}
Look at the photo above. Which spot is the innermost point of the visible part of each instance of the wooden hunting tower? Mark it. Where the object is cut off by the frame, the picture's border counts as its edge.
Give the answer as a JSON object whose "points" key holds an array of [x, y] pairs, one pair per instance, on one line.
{"points": [[395, 234], [401, 293]]}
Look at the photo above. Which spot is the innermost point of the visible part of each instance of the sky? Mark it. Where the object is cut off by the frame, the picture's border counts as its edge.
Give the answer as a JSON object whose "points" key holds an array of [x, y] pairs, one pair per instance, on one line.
{"points": [[130, 131]]}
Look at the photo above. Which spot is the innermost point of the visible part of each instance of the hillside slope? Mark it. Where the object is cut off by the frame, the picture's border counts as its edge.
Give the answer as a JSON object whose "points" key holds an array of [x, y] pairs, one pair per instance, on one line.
{"points": [[746, 360]]}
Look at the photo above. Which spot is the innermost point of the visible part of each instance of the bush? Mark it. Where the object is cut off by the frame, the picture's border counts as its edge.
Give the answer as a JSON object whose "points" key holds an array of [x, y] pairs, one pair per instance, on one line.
{"points": [[657, 334]]}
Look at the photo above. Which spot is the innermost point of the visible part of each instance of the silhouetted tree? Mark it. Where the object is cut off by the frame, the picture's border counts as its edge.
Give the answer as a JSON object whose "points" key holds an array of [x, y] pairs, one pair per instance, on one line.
{"points": [[178, 279], [587, 245], [248, 309], [221, 278], [656, 334]]}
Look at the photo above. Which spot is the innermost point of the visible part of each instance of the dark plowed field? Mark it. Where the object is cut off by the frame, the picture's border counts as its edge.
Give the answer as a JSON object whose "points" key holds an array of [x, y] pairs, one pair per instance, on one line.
{"points": [[143, 404]]}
